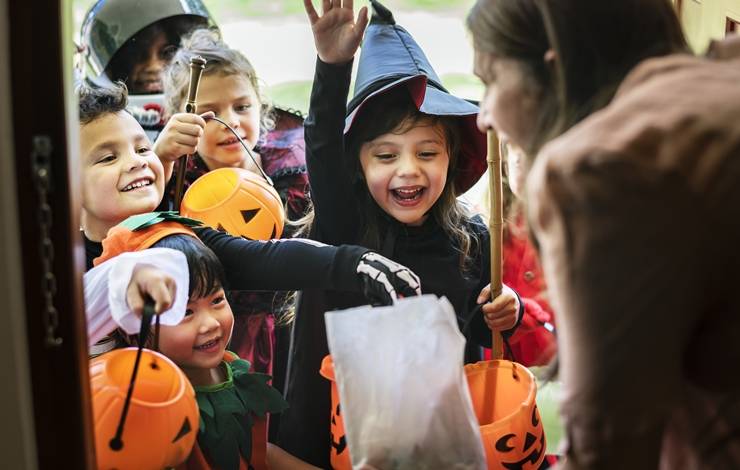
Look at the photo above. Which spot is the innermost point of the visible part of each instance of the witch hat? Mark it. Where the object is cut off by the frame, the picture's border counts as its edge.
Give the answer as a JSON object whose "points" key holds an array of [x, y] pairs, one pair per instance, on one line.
{"points": [[390, 57]]}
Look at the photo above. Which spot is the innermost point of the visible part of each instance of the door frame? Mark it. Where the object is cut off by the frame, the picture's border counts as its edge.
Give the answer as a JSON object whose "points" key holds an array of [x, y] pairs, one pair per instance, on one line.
{"points": [[44, 111]]}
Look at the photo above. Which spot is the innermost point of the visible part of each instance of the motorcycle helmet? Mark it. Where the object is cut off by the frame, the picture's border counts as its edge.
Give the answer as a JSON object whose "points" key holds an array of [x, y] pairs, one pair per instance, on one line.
{"points": [[116, 35]]}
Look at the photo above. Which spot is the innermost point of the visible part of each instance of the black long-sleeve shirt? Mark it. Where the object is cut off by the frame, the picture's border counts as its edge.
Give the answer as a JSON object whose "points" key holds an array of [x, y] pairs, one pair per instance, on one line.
{"points": [[275, 264], [427, 250]]}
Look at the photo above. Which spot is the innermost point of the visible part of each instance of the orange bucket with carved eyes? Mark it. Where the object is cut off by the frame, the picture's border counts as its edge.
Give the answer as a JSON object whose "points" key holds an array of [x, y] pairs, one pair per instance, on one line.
{"points": [[510, 425], [503, 395], [235, 201], [162, 422], [339, 453]]}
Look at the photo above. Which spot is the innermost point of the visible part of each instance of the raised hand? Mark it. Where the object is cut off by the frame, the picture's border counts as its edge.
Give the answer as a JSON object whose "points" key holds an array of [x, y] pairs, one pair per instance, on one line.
{"points": [[336, 33]]}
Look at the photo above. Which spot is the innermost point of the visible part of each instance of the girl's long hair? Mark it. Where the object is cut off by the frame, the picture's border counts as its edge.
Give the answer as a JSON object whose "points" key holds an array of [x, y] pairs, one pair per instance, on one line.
{"points": [[394, 112], [221, 60]]}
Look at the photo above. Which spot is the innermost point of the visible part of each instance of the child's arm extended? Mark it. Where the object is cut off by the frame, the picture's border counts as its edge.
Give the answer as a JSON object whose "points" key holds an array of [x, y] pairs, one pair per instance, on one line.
{"points": [[337, 37], [296, 264], [115, 290]]}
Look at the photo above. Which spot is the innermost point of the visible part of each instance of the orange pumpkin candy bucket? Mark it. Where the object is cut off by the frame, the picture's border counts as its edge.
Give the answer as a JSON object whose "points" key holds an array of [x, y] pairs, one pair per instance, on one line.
{"points": [[162, 420], [510, 425], [339, 453], [503, 395], [236, 201], [144, 408]]}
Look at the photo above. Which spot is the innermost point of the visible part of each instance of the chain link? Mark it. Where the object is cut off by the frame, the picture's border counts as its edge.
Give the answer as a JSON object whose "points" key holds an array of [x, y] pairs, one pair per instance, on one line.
{"points": [[41, 165]]}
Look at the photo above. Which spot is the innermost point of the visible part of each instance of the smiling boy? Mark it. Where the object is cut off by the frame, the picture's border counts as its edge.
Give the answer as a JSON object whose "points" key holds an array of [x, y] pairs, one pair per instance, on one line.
{"points": [[122, 175]]}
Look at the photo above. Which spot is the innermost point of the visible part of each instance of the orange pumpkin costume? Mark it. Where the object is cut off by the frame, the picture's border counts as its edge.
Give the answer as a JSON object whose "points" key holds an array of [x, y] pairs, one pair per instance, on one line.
{"points": [[232, 433]]}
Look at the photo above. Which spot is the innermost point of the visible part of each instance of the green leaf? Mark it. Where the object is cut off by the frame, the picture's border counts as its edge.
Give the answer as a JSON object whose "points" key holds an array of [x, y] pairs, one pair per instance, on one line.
{"points": [[136, 221], [142, 221], [227, 413], [204, 404]]}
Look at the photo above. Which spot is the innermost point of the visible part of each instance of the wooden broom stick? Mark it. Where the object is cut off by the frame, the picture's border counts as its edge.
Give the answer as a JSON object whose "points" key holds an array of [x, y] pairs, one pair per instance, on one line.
{"points": [[496, 229], [197, 65]]}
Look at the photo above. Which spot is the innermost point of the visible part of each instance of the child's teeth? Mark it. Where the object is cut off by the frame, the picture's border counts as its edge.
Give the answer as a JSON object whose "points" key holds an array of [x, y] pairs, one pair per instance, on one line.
{"points": [[136, 185], [407, 193]]}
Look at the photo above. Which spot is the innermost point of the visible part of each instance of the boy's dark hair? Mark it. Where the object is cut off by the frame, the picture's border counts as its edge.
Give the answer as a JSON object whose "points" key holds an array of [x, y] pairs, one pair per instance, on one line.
{"points": [[206, 272], [95, 102]]}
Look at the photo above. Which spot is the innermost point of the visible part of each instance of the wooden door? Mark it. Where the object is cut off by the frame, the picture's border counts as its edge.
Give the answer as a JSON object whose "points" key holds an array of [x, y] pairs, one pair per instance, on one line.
{"points": [[50, 243]]}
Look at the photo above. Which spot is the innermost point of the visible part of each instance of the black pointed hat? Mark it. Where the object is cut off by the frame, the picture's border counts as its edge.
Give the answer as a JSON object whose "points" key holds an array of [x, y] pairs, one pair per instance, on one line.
{"points": [[390, 57]]}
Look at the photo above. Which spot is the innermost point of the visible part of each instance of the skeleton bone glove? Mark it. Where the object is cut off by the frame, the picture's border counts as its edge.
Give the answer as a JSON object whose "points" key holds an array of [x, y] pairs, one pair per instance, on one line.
{"points": [[384, 281]]}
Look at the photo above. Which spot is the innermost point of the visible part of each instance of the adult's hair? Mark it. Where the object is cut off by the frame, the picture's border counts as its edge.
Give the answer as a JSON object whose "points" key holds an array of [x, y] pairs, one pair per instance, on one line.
{"points": [[221, 60], [206, 271], [395, 112], [596, 43], [94, 102]]}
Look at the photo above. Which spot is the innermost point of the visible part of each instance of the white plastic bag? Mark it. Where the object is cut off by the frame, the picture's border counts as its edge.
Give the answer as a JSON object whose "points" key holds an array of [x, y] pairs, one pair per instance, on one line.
{"points": [[405, 401]]}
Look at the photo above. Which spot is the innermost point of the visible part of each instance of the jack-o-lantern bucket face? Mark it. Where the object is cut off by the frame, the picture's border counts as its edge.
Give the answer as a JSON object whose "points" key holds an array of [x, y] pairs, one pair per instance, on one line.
{"points": [[339, 453], [162, 421], [235, 201], [503, 395]]}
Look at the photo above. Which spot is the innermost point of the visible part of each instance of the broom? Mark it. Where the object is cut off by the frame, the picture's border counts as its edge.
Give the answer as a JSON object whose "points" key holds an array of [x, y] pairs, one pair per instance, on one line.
{"points": [[496, 229]]}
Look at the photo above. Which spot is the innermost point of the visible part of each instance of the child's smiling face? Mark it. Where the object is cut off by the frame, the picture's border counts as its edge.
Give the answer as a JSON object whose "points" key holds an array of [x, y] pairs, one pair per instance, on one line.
{"points": [[198, 343], [122, 176], [233, 99], [406, 170]]}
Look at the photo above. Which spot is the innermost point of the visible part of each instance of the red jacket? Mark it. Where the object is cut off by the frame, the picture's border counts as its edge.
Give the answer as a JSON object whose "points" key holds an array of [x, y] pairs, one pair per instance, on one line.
{"points": [[531, 344]]}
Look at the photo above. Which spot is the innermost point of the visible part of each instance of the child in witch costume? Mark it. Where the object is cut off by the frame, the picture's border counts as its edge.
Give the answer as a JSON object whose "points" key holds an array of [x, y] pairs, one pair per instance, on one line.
{"points": [[122, 177], [232, 401], [385, 172]]}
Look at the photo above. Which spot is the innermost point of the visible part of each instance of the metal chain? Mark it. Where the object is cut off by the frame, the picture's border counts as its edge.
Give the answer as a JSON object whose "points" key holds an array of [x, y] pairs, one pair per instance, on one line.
{"points": [[41, 165]]}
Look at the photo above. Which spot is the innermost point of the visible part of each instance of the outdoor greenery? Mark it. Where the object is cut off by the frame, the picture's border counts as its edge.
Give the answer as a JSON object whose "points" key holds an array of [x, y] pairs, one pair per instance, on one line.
{"points": [[547, 403], [235, 10], [295, 94], [230, 10]]}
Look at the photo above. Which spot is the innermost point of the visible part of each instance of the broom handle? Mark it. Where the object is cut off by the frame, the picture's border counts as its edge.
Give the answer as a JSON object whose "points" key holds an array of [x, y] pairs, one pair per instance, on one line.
{"points": [[495, 228], [197, 65]]}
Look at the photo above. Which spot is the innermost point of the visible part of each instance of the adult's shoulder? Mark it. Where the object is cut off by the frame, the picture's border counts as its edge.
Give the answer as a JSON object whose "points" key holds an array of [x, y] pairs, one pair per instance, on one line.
{"points": [[654, 131]]}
